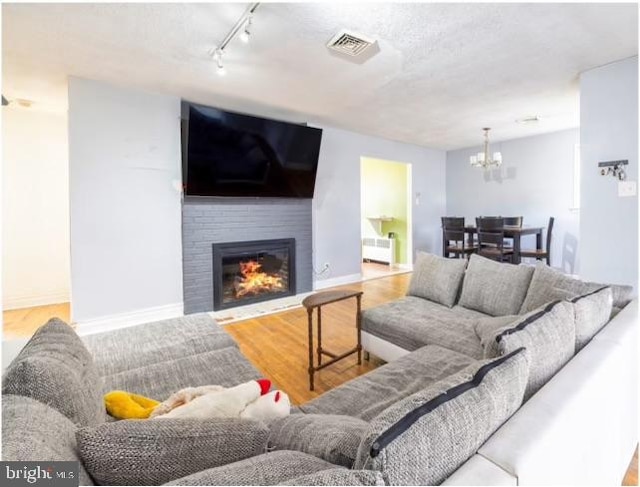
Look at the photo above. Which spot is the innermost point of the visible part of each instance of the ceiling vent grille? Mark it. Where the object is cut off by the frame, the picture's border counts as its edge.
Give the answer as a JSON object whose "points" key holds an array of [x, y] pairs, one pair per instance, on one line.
{"points": [[350, 43]]}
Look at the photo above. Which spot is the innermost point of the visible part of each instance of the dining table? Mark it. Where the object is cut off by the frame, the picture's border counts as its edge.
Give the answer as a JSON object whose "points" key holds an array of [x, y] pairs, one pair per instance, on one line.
{"points": [[514, 232]]}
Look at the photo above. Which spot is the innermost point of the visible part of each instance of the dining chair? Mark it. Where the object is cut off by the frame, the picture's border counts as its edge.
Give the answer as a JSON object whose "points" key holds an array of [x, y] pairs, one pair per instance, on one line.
{"points": [[540, 254], [491, 239], [513, 221], [453, 238]]}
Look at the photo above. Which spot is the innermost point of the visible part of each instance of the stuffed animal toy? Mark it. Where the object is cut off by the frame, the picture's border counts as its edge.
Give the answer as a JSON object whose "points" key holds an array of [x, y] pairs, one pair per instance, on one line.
{"points": [[124, 405], [248, 400]]}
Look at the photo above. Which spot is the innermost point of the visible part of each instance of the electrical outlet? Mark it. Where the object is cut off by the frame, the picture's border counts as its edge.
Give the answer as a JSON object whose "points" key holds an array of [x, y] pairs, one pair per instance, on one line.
{"points": [[627, 188]]}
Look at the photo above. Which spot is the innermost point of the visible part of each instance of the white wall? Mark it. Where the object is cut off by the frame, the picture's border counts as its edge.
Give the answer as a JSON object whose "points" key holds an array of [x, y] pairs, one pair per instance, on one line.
{"points": [[609, 131], [124, 155], [535, 181], [336, 205], [35, 207]]}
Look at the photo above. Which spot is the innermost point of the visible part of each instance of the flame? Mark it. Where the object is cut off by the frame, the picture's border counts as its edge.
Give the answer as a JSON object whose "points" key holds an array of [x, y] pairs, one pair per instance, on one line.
{"points": [[254, 281]]}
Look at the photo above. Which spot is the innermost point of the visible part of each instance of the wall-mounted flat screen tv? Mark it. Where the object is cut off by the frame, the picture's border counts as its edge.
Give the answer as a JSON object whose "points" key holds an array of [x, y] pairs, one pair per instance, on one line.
{"points": [[230, 154]]}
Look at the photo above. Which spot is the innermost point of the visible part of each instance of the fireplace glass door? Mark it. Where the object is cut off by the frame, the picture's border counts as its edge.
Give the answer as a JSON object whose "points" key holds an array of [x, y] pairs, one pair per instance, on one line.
{"points": [[249, 272]]}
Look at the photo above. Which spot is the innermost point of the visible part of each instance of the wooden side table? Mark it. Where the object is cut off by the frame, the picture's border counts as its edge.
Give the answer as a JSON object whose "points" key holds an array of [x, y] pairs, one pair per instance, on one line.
{"points": [[316, 301]]}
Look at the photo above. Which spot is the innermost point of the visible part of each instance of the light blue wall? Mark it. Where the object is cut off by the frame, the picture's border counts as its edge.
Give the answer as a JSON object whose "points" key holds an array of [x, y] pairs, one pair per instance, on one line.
{"points": [[336, 205], [535, 181], [609, 131]]}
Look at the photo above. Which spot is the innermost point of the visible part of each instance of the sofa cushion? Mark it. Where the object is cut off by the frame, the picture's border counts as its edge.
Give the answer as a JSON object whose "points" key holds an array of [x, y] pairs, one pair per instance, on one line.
{"points": [[592, 313], [546, 282], [366, 396], [35, 432], [152, 452], [226, 367], [494, 288], [56, 369], [339, 476], [411, 323], [334, 438], [436, 278], [267, 469], [424, 438], [487, 329], [548, 334], [139, 346]]}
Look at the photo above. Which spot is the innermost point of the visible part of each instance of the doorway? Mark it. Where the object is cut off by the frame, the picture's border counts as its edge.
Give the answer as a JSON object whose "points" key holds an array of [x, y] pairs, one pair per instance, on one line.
{"points": [[385, 217]]}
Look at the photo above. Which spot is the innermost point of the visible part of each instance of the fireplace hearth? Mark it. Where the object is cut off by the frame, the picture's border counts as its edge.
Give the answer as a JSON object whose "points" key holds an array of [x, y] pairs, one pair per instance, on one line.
{"points": [[252, 271]]}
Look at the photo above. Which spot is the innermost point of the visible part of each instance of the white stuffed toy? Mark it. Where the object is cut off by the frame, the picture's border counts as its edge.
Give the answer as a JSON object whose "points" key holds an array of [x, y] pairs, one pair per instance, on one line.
{"points": [[251, 400]]}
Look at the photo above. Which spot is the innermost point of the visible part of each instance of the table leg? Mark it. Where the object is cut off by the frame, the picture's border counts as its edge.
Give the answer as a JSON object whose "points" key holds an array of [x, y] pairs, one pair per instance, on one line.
{"points": [[516, 249], [319, 335], [311, 370], [359, 328]]}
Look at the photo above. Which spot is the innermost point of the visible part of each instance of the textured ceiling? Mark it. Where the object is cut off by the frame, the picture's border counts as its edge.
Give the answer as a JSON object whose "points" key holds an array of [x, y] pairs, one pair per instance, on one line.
{"points": [[443, 70]]}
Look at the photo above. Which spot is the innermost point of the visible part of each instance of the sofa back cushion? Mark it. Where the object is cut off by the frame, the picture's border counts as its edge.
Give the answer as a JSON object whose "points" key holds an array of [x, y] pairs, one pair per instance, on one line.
{"points": [[548, 334], [436, 278], [332, 437], [494, 288], [424, 438], [547, 282], [56, 369], [34, 432], [592, 313], [153, 452]]}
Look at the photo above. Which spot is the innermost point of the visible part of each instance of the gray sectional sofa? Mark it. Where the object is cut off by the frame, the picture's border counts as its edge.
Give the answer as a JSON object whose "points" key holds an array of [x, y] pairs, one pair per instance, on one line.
{"points": [[424, 418]]}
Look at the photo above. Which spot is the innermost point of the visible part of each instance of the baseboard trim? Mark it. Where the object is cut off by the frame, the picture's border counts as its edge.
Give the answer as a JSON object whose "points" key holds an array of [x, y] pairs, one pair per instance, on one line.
{"points": [[337, 281], [17, 302], [124, 320]]}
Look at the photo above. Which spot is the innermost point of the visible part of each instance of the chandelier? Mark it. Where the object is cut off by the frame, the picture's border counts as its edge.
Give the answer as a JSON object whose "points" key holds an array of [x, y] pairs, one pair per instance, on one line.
{"points": [[482, 159]]}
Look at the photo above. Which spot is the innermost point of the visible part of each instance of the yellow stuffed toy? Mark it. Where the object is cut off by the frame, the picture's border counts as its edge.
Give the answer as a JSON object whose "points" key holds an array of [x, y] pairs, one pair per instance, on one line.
{"points": [[124, 405]]}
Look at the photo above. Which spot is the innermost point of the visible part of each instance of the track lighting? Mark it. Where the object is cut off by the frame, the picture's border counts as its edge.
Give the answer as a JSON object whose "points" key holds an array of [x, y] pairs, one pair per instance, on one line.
{"points": [[244, 24], [217, 56], [246, 33]]}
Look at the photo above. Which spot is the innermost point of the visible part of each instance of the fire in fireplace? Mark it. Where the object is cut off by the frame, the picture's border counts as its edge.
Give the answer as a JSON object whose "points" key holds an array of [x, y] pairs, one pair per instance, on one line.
{"points": [[254, 271]]}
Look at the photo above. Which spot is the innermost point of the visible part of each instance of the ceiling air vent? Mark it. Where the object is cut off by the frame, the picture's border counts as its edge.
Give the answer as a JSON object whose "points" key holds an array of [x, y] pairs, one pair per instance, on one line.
{"points": [[350, 43]]}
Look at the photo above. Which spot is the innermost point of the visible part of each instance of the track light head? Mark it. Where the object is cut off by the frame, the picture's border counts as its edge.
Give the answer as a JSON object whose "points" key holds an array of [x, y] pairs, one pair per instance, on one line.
{"points": [[217, 57], [245, 36]]}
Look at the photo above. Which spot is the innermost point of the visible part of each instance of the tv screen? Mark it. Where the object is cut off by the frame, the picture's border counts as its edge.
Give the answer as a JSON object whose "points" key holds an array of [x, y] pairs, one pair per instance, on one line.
{"points": [[229, 154]]}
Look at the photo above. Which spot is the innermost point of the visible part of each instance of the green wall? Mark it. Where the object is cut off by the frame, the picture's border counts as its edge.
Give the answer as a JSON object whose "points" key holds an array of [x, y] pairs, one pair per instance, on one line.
{"points": [[384, 191]]}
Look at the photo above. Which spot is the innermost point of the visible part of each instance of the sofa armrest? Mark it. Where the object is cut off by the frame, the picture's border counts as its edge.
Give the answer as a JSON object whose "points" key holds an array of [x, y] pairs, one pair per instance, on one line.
{"points": [[480, 471], [331, 437], [156, 451]]}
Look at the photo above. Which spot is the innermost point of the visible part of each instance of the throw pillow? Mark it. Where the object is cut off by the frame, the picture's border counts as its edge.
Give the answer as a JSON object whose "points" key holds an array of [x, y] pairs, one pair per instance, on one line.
{"points": [[546, 282], [424, 438], [153, 452], [548, 334], [592, 313], [332, 437], [494, 288], [55, 368], [436, 278]]}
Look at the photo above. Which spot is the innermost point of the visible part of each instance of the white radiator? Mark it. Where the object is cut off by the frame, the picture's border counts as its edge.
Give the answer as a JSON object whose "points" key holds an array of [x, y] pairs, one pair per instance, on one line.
{"points": [[379, 249]]}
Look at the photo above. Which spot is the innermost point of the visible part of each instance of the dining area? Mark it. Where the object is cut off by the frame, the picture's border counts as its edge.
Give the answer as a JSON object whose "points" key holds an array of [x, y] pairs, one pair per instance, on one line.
{"points": [[503, 239]]}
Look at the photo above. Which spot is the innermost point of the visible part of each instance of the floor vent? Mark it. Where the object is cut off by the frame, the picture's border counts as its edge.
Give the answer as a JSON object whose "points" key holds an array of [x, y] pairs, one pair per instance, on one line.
{"points": [[350, 43]]}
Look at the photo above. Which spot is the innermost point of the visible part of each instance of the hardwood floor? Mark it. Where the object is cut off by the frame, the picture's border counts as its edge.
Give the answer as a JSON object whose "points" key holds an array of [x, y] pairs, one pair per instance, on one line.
{"points": [[277, 344], [20, 323], [631, 477]]}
